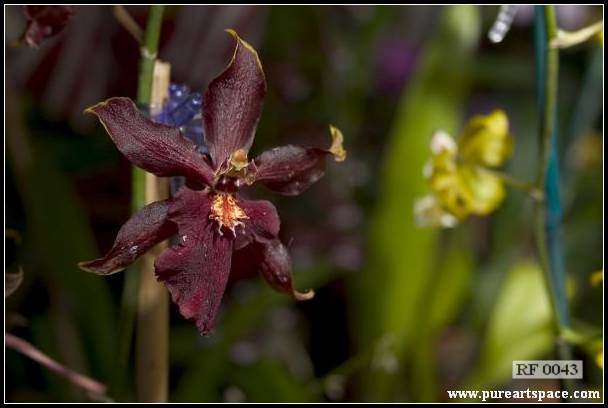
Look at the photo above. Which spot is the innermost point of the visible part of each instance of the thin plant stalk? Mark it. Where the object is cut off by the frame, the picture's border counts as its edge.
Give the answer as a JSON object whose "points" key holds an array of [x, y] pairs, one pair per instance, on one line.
{"points": [[130, 296], [127, 22], [151, 357], [548, 212], [152, 339], [149, 51], [93, 387]]}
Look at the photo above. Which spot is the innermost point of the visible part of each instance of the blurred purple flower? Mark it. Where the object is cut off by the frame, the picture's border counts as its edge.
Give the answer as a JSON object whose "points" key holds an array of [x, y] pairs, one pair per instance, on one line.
{"points": [[44, 22], [569, 16], [94, 57], [394, 63]]}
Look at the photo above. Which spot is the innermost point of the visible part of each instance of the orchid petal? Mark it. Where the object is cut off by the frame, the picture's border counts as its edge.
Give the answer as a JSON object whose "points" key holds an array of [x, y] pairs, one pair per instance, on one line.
{"points": [[276, 269], [486, 189], [233, 104], [142, 231], [246, 261], [262, 224], [44, 22], [154, 147], [486, 140], [196, 270], [290, 169]]}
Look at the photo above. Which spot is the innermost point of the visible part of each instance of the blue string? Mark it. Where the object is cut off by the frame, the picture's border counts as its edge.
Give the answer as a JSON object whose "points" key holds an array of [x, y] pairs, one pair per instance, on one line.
{"points": [[553, 206]]}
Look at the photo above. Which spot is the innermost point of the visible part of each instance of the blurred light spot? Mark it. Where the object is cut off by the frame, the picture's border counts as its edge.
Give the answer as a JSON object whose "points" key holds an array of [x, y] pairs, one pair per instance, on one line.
{"points": [[335, 387], [303, 256], [345, 216], [347, 255], [292, 85], [503, 22], [384, 356], [283, 319], [234, 394], [244, 353], [586, 152]]}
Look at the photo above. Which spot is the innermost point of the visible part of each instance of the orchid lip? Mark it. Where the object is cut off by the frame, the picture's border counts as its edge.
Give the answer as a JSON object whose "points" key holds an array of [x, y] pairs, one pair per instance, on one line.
{"points": [[226, 212]]}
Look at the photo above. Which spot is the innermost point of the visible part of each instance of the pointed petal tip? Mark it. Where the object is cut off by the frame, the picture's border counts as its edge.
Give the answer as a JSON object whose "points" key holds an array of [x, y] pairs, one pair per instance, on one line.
{"points": [[232, 32], [239, 40], [301, 296], [205, 330], [93, 109], [337, 141], [96, 267], [12, 281], [204, 327]]}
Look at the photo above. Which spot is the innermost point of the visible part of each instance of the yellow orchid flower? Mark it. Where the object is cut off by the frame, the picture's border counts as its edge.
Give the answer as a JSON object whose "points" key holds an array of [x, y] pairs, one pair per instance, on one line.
{"points": [[428, 213], [460, 174]]}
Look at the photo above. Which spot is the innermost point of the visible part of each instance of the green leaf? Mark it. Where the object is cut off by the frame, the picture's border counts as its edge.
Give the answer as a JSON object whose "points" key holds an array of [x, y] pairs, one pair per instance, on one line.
{"points": [[520, 326], [57, 238], [447, 291], [400, 254], [269, 381]]}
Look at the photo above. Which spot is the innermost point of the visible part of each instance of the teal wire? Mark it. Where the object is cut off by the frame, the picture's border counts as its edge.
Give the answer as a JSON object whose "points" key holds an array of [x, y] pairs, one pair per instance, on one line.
{"points": [[553, 205]]}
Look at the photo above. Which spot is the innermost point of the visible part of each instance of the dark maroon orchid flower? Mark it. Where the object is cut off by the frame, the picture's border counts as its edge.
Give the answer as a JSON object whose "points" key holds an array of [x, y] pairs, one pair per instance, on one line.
{"points": [[44, 22], [212, 222]]}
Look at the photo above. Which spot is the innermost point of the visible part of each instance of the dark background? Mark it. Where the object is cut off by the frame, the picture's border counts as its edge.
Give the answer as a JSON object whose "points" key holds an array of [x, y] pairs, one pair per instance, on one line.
{"points": [[448, 310]]}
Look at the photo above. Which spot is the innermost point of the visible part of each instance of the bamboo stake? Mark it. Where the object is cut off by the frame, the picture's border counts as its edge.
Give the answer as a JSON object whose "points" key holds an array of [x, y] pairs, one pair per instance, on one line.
{"points": [[152, 341]]}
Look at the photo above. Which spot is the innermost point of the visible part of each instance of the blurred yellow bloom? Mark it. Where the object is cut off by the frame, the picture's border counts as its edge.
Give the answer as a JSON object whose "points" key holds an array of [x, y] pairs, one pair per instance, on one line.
{"points": [[428, 213], [586, 151], [599, 358], [597, 278], [460, 175], [596, 349]]}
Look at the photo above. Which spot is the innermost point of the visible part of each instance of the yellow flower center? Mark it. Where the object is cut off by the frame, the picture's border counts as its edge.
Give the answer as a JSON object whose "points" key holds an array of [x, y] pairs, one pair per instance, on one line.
{"points": [[226, 211]]}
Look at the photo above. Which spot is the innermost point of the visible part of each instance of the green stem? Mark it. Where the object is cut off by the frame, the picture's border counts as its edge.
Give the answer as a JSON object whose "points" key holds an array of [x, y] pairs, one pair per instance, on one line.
{"points": [[151, 384], [529, 188], [548, 212], [565, 39], [149, 50], [548, 94], [129, 298]]}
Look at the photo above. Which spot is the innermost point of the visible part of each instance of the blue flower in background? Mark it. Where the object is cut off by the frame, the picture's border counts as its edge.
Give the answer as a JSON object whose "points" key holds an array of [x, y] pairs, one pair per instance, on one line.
{"points": [[183, 110]]}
